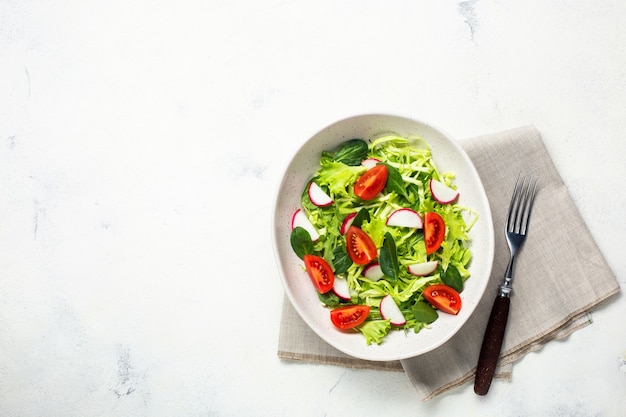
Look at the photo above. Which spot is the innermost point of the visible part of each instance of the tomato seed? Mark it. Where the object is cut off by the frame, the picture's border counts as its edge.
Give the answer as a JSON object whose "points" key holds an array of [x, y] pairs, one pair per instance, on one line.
{"points": [[322, 271]]}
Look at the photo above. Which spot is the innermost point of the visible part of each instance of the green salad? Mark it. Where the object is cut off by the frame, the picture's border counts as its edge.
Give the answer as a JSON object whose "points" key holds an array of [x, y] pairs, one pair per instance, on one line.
{"points": [[383, 237]]}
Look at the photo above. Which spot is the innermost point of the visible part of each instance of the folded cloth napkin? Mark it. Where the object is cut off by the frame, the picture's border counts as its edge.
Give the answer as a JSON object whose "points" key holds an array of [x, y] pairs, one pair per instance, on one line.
{"points": [[560, 275]]}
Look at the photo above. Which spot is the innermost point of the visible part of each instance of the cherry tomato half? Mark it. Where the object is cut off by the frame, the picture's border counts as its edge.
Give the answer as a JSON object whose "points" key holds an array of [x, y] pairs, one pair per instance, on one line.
{"points": [[371, 183], [360, 246], [434, 231], [349, 316], [320, 273], [443, 298]]}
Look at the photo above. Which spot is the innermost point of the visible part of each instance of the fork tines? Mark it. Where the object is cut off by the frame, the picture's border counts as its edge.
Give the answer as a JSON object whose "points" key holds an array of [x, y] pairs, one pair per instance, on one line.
{"points": [[521, 204]]}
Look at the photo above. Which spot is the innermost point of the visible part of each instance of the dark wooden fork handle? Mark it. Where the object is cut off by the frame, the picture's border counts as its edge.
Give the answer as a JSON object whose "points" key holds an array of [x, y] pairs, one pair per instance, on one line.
{"points": [[492, 343]]}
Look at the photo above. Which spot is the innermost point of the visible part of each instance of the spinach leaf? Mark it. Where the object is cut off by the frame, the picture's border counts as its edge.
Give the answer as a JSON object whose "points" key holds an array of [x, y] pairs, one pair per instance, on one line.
{"points": [[301, 242], [424, 312], [361, 216], [388, 257], [452, 278], [342, 260], [352, 152], [330, 299], [395, 181]]}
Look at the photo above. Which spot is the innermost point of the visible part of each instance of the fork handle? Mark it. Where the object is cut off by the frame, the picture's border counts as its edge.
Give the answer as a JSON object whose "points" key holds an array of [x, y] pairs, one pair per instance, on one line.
{"points": [[492, 344]]}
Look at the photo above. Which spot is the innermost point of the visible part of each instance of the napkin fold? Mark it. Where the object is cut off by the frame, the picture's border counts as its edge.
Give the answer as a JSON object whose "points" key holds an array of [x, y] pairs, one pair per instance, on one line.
{"points": [[560, 275]]}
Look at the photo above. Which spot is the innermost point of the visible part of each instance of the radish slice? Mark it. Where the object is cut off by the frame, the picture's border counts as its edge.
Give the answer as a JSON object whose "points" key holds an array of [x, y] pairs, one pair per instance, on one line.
{"points": [[318, 196], [340, 287], [300, 219], [390, 311], [405, 217], [373, 272], [347, 222], [370, 162], [442, 193], [423, 269]]}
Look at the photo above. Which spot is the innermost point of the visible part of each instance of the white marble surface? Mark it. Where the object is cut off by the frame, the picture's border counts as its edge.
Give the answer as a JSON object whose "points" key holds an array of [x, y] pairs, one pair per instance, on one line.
{"points": [[140, 146]]}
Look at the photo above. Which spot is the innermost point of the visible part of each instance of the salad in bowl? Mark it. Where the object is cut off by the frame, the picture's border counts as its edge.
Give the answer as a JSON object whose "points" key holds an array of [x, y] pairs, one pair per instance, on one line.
{"points": [[383, 236]]}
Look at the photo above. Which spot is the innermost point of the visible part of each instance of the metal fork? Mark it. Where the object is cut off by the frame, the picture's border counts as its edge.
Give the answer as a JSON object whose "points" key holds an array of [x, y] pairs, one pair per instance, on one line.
{"points": [[516, 229]]}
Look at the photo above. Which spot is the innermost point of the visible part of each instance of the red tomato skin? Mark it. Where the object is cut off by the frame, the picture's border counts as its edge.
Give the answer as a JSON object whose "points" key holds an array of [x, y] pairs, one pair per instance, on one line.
{"points": [[371, 183], [320, 272], [360, 246], [349, 316], [444, 298], [434, 231]]}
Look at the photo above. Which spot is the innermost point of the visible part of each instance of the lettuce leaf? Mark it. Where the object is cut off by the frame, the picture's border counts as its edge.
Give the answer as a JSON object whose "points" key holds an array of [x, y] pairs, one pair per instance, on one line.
{"points": [[374, 330]]}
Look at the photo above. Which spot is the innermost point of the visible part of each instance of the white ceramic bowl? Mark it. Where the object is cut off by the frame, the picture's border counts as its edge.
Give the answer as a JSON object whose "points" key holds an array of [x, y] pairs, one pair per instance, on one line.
{"points": [[448, 156]]}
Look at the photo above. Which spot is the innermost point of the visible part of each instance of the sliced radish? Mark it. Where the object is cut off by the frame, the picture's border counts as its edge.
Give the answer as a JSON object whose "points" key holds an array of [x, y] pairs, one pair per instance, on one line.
{"points": [[318, 196], [373, 272], [390, 311], [423, 269], [299, 218], [370, 162], [347, 222], [405, 217], [340, 287], [442, 193]]}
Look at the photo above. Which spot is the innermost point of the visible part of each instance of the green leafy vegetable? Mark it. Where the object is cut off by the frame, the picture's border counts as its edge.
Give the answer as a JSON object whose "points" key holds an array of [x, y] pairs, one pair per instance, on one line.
{"points": [[341, 259], [330, 299], [361, 216], [352, 152], [338, 177], [395, 182], [388, 257], [452, 278], [424, 312], [301, 242], [374, 330]]}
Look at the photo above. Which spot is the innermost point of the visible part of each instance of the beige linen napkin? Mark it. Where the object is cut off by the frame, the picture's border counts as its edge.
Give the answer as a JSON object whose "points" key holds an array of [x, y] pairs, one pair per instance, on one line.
{"points": [[560, 275]]}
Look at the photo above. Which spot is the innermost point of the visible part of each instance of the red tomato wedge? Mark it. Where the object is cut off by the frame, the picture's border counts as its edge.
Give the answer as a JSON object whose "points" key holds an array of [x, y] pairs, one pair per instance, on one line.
{"points": [[360, 246], [443, 298], [434, 231], [320, 273], [371, 183], [349, 316]]}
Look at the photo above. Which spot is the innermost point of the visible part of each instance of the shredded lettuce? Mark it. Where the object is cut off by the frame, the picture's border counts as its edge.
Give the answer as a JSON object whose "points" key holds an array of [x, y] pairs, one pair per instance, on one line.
{"points": [[412, 158]]}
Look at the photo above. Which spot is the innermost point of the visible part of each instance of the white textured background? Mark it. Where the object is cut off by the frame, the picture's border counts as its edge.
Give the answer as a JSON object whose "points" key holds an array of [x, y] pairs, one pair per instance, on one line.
{"points": [[141, 144]]}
